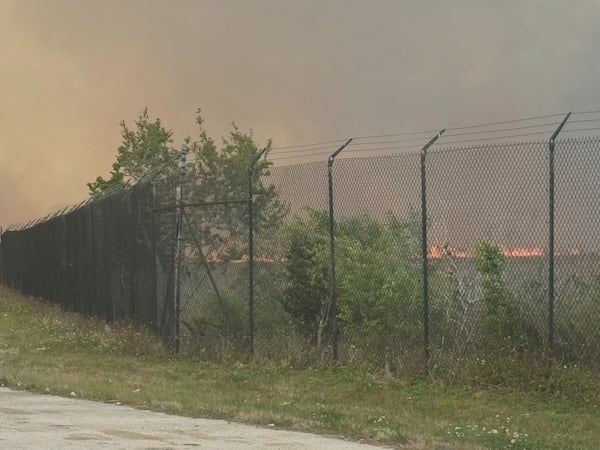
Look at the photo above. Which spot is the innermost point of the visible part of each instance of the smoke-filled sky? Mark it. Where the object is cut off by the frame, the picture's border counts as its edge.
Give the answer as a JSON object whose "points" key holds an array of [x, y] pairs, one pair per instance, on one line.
{"points": [[297, 71]]}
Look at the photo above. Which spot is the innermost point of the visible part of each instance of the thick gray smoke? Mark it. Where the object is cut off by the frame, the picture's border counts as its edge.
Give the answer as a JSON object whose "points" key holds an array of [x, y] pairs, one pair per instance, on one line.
{"points": [[295, 71]]}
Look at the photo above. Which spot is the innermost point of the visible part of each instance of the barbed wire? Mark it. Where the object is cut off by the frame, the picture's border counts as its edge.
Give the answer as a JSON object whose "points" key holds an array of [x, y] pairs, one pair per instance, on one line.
{"points": [[302, 155], [369, 145], [485, 132], [148, 176], [581, 130], [492, 138], [501, 130], [585, 112], [309, 145], [504, 122], [374, 139], [409, 133], [583, 120]]}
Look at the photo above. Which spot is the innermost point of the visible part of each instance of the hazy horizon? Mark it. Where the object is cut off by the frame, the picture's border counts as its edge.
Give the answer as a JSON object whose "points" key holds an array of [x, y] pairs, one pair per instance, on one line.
{"points": [[297, 72]]}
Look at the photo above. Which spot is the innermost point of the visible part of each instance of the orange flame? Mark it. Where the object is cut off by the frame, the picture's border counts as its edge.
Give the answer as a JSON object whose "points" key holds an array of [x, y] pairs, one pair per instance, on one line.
{"points": [[522, 252], [436, 252]]}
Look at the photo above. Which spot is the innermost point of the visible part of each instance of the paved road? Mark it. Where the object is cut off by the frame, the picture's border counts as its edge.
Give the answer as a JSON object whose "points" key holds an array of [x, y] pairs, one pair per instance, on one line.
{"points": [[29, 421]]}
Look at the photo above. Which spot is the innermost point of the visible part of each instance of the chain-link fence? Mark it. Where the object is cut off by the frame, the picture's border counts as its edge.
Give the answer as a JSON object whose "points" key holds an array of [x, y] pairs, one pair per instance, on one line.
{"points": [[511, 274], [487, 268], [110, 257]]}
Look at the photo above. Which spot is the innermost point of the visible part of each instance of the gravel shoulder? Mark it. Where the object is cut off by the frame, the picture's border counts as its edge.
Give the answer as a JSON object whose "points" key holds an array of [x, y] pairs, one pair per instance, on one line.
{"points": [[33, 421]]}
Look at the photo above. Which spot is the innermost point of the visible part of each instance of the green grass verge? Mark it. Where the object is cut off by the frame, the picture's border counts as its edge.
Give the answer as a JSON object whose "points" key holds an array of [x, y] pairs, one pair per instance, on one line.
{"points": [[45, 350]]}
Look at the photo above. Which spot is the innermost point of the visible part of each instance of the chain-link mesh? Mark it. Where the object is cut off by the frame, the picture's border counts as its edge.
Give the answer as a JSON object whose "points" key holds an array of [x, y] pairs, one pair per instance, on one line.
{"points": [[214, 279], [489, 302], [488, 231], [110, 257], [577, 261], [292, 278], [488, 235], [377, 206]]}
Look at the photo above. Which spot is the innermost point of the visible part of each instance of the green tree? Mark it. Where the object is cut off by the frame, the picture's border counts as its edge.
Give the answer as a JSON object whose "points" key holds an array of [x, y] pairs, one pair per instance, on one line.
{"points": [[147, 146], [216, 224], [218, 185], [216, 180], [216, 192]]}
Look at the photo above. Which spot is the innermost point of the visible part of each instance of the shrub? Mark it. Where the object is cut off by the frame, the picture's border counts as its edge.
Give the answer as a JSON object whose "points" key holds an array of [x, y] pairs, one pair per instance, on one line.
{"points": [[499, 315], [378, 277], [306, 296], [504, 325]]}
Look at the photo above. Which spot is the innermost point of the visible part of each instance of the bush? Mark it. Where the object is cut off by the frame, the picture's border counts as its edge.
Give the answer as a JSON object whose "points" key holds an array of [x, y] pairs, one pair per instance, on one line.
{"points": [[499, 316], [378, 277], [306, 296], [504, 325]]}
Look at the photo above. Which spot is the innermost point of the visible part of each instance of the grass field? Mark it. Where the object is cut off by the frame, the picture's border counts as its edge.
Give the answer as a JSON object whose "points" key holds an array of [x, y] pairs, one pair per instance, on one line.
{"points": [[45, 350]]}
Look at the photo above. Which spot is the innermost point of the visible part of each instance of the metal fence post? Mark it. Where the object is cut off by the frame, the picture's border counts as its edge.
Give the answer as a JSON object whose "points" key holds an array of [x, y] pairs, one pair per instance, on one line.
{"points": [[251, 247], [155, 265], [178, 250], [551, 147], [424, 248], [333, 287]]}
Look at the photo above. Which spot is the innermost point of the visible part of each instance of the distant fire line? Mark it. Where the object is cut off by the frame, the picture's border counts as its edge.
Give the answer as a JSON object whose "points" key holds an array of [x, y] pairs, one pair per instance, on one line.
{"points": [[435, 252], [515, 252]]}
